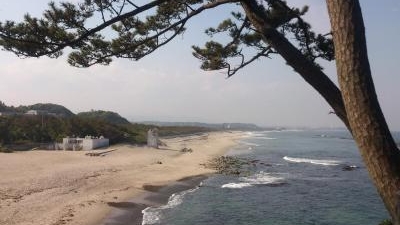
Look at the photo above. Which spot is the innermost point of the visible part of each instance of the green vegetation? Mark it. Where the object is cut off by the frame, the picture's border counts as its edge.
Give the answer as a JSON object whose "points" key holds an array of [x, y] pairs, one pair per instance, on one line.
{"points": [[5, 149], [3, 107], [56, 122], [107, 116], [181, 130], [19, 131], [211, 126], [386, 222], [25, 130], [49, 108], [265, 27]]}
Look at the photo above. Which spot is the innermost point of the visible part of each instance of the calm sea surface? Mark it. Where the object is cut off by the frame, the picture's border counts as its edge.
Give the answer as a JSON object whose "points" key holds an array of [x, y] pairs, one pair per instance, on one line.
{"points": [[299, 179]]}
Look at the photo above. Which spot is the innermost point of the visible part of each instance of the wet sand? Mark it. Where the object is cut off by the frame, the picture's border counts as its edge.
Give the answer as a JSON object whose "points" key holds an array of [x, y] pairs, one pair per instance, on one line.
{"points": [[130, 212]]}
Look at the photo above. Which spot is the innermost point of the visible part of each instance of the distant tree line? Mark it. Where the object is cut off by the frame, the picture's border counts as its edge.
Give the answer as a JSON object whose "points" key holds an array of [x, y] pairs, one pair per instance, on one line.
{"points": [[111, 117], [20, 129], [57, 122], [47, 107]]}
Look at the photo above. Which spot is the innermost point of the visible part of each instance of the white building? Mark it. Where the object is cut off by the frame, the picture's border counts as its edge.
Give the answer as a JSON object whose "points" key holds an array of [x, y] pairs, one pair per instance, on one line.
{"points": [[87, 143], [152, 138], [35, 112], [32, 112]]}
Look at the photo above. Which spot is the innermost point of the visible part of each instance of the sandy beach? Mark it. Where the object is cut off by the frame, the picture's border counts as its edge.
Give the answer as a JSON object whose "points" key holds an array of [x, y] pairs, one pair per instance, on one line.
{"points": [[66, 187]]}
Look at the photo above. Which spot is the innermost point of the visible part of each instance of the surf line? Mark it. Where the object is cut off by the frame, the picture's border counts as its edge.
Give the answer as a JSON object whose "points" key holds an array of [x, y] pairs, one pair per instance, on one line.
{"points": [[312, 161]]}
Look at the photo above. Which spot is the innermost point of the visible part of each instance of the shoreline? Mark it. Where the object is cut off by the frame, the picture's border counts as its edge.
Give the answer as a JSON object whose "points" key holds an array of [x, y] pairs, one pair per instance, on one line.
{"points": [[131, 211], [65, 187]]}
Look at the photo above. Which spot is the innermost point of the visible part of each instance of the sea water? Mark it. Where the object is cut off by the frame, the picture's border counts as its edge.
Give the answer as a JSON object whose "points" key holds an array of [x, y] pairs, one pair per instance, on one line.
{"points": [[298, 178]]}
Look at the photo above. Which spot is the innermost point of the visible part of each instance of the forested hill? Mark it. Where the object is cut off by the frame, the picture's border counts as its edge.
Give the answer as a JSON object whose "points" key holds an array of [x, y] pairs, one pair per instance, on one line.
{"points": [[53, 122], [19, 130], [49, 108], [110, 117]]}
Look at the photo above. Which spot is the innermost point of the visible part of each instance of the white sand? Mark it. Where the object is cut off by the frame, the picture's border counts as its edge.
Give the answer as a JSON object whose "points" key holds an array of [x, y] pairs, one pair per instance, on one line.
{"points": [[65, 187]]}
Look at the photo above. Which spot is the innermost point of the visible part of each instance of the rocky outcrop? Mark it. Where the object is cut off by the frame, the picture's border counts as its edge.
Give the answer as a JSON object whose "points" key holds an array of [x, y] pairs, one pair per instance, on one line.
{"points": [[228, 165]]}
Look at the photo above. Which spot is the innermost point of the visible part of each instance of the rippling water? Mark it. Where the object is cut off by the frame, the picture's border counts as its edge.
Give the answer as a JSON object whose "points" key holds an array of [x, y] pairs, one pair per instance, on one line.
{"points": [[299, 179]]}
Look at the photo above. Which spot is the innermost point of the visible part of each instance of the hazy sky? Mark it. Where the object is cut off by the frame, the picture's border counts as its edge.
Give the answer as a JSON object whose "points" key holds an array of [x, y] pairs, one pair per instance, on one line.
{"points": [[169, 85]]}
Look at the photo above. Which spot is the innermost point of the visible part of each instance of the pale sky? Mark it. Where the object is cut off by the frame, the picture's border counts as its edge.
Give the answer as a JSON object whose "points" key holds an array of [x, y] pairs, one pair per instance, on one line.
{"points": [[169, 85]]}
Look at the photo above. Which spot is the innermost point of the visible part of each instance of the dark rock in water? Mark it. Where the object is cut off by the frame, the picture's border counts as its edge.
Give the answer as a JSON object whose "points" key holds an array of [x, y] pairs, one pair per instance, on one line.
{"points": [[276, 184], [265, 164], [228, 165], [232, 165], [349, 167]]}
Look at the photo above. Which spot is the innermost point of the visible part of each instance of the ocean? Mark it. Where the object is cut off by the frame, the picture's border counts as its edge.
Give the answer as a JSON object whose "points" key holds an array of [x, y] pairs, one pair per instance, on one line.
{"points": [[298, 178]]}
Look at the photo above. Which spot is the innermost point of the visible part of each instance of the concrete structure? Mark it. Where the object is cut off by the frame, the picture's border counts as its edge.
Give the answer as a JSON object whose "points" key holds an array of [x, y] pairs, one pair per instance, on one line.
{"points": [[152, 138], [40, 112], [35, 112], [51, 146], [87, 143]]}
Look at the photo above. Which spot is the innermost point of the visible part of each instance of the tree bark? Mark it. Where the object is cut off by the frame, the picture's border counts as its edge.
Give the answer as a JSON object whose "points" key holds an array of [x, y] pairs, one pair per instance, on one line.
{"points": [[303, 66], [368, 125]]}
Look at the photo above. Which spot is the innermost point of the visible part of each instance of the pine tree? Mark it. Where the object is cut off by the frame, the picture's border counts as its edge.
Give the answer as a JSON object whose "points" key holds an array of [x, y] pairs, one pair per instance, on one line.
{"points": [[258, 29]]}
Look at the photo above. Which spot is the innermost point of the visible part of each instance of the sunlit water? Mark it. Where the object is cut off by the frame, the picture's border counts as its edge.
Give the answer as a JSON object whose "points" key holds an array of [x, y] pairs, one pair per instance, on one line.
{"points": [[298, 180]]}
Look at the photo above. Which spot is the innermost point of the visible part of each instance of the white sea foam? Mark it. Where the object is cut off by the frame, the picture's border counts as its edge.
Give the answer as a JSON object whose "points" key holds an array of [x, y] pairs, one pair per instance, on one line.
{"points": [[150, 216], [254, 134], [265, 138], [236, 185], [313, 161], [153, 215], [248, 134], [269, 131], [261, 178], [293, 130], [249, 143]]}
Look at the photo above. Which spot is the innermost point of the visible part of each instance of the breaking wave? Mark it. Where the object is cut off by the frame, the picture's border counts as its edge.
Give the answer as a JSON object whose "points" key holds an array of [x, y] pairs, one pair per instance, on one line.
{"points": [[261, 178], [153, 215], [249, 143], [265, 138], [236, 185], [313, 161]]}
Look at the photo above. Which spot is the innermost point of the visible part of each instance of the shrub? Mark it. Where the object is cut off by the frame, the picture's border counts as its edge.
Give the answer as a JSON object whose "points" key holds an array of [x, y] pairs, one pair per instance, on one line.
{"points": [[386, 222], [5, 150]]}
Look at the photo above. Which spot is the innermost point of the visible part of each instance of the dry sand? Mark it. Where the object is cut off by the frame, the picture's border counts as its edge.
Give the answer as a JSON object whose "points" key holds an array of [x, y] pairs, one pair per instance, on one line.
{"points": [[65, 187]]}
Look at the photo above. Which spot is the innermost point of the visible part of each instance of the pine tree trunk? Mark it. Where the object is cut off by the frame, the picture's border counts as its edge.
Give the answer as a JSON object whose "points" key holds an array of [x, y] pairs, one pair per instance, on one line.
{"points": [[366, 119]]}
